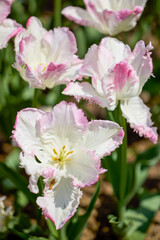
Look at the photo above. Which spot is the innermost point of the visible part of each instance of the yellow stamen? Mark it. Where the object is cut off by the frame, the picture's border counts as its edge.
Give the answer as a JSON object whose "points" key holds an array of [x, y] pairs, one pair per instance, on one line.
{"points": [[69, 153], [62, 156], [54, 150]]}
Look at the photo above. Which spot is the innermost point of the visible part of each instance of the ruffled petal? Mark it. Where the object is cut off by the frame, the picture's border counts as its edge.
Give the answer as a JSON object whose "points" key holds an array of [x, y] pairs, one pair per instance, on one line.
{"points": [[60, 203], [66, 127], [25, 130], [139, 117], [84, 167], [110, 91], [59, 74], [108, 17], [97, 61], [64, 46], [8, 29], [102, 137], [85, 90], [124, 20], [124, 81], [46, 58], [141, 60], [68, 116]]}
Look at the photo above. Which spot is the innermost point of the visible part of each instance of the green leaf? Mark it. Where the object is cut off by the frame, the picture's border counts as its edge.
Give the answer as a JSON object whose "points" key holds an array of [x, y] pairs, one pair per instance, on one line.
{"points": [[140, 170], [52, 228], [113, 173], [20, 182], [75, 228], [140, 218]]}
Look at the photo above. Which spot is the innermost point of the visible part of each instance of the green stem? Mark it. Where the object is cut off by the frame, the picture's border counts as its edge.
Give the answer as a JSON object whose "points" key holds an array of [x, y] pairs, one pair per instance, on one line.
{"points": [[111, 117], [123, 167], [35, 98], [52, 229], [57, 13]]}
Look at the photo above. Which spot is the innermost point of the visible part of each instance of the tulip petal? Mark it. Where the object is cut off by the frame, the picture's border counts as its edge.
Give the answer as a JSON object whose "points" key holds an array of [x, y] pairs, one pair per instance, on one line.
{"points": [[139, 117], [85, 90], [5, 8], [122, 81], [141, 60], [118, 49], [60, 203], [25, 130], [8, 29], [78, 15], [103, 137], [84, 168]]}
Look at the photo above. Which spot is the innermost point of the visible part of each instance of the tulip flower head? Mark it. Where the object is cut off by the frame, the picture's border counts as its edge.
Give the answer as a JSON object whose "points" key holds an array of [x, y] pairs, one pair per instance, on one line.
{"points": [[107, 16], [118, 74], [8, 27], [46, 58], [68, 149]]}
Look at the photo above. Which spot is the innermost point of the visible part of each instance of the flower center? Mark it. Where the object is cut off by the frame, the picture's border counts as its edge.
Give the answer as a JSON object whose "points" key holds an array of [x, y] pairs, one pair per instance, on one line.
{"points": [[62, 156]]}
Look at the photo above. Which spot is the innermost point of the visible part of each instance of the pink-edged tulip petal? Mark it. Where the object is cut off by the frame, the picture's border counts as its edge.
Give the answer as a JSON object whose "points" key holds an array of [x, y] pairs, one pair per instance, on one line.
{"points": [[58, 74], [124, 79], [68, 117], [25, 130], [34, 27], [5, 8], [141, 60], [124, 20], [8, 29], [46, 58], [60, 203], [139, 117], [78, 15], [108, 17], [103, 137], [85, 91]]}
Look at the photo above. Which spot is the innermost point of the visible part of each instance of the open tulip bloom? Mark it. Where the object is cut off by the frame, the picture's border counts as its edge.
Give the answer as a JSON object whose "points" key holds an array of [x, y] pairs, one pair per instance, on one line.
{"points": [[68, 149], [107, 16], [118, 75], [8, 27], [46, 58]]}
